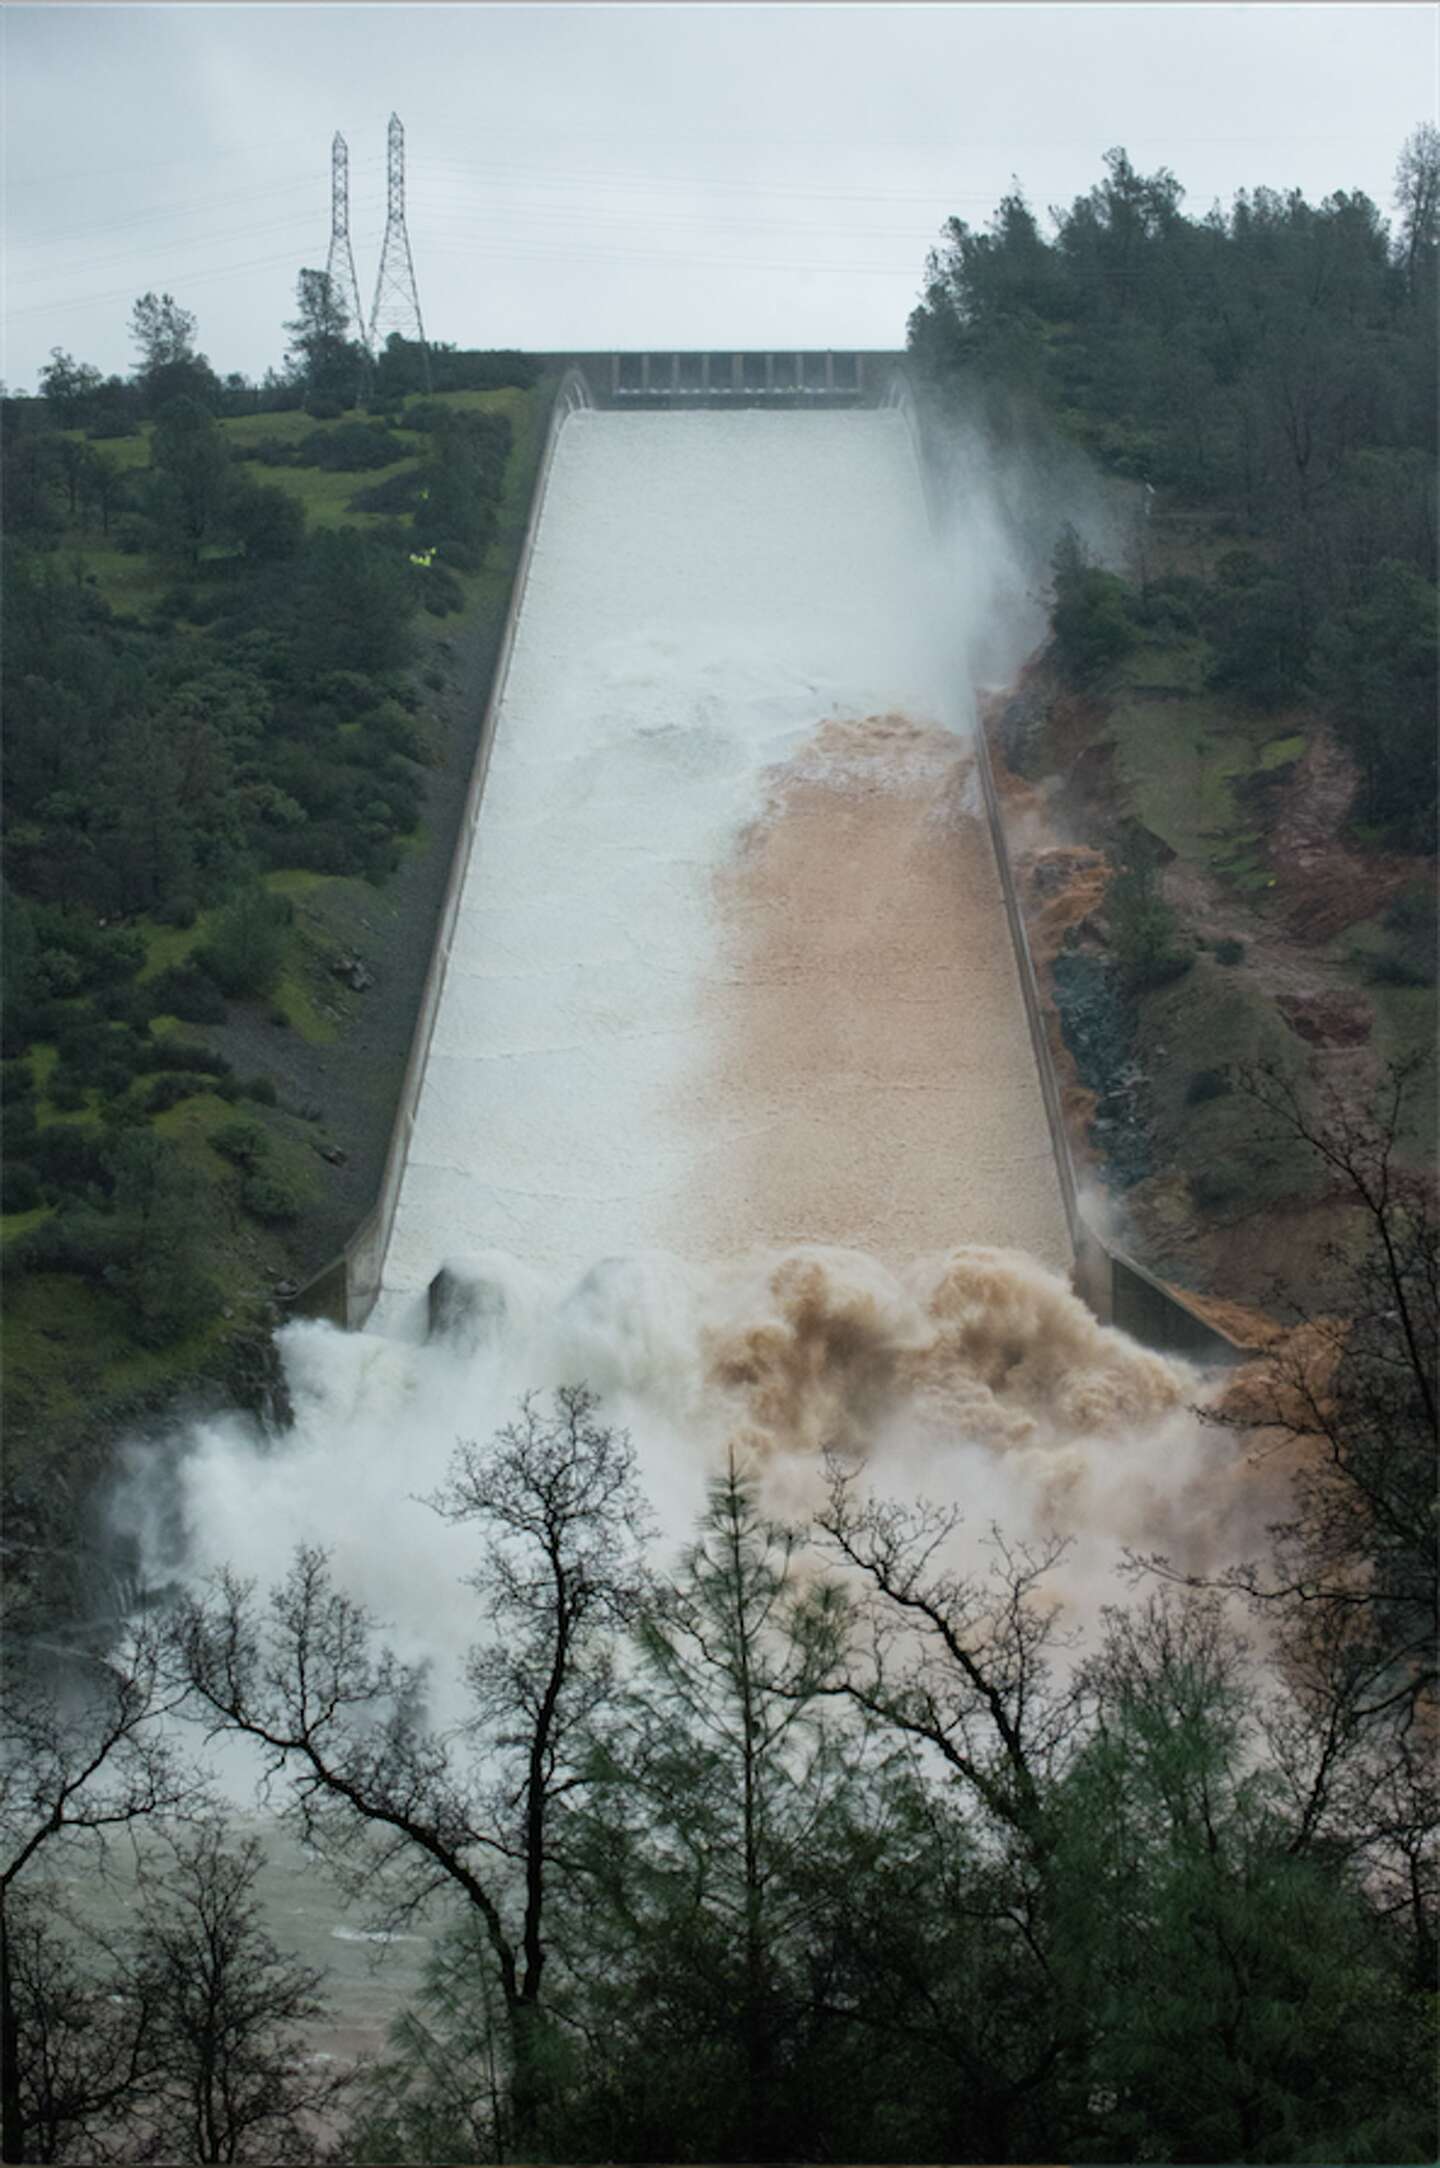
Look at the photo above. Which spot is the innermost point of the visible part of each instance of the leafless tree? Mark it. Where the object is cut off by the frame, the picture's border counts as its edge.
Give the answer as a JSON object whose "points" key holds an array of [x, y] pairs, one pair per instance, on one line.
{"points": [[1353, 1568], [959, 1662], [85, 2042], [1348, 1588], [415, 1808], [83, 1755], [227, 2078]]}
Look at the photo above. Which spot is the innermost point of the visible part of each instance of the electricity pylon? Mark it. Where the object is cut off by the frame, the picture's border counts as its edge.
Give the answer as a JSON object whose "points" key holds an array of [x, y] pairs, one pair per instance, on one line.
{"points": [[397, 299], [340, 266]]}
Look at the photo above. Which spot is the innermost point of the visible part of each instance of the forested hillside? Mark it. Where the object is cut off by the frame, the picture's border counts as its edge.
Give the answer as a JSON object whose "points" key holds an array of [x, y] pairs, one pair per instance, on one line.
{"points": [[1274, 364], [1230, 744], [231, 682]]}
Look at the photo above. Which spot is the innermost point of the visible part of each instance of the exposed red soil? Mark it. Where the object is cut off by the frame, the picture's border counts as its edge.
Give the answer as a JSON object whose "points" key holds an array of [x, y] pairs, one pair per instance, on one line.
{"points": [[1320, 886]]}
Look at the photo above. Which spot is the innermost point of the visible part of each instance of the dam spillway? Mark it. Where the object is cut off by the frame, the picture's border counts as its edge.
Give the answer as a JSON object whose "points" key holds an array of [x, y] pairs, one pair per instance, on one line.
{"points": [[730, 969], [728, 1092]]}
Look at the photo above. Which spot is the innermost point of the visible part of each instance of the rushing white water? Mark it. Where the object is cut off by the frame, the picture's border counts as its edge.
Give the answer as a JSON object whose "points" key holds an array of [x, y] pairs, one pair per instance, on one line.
{"points": [[711, 595], [730, 1110]]}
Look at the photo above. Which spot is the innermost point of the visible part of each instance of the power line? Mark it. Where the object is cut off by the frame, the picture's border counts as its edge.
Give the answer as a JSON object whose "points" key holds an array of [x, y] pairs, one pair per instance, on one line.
{"points": [[147, 252], [198, 207]]}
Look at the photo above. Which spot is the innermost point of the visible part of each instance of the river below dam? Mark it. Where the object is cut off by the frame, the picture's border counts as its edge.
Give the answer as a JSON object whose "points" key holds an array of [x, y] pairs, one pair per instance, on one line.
{"points": [[730, 1109]]}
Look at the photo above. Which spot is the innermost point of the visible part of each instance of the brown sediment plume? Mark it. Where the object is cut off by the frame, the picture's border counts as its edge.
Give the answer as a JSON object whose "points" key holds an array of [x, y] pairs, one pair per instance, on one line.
{"points": [[988, 1347], [983, 1380], [823, 1367], [1036, 1347], [867, 1073]]}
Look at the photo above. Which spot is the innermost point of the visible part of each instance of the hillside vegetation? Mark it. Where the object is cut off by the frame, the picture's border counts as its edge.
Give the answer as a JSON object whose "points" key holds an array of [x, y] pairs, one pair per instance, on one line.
{"points": [[228, 678], [1238, 714]]}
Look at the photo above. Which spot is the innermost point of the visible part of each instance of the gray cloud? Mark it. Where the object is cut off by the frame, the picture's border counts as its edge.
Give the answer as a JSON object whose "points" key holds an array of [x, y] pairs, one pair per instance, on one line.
{"points": [[633, 175]]}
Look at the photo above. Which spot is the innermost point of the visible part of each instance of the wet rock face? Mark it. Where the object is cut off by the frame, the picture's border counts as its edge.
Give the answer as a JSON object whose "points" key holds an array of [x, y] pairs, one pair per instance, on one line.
{"points": [[1099, 1020], [1021, 725]]}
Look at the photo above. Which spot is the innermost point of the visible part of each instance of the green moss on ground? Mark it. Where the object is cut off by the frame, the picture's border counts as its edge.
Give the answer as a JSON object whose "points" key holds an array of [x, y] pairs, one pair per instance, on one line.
{"points": [[1184, 761], [1212, 1019]]}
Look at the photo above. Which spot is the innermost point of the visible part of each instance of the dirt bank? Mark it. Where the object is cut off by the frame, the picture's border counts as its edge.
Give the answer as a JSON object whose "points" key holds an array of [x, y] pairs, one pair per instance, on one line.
{"points": [[1288, 928]]}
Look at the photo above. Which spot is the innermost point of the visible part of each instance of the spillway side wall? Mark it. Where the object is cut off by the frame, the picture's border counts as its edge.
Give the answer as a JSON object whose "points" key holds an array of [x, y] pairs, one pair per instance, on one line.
{"points": [[345, 1291], [1112, 1285]]}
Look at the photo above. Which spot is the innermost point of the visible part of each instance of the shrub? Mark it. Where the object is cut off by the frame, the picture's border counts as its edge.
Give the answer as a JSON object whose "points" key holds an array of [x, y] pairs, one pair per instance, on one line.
{"points": [[354, 446], [181, 1054], [1206, 1084], [266, 1197], [113, 1077], [21, 1129], [1229, 951], [1399, 970], [1214, 1187], [1090, 616], [129, 1005], [441, 594], [17, 1084], [167, 1091], [1258, 631], [242, 1143], [266, 451], [269, 524], [355, 603], [397, 493], [187, 991], [1412, 910], [19, 1187], [1411, 918], [58, 973], [1145, 931], [322, 409], [261, 1089], [68, 1158], [427, 414], [66, 1096], [245, 949], [97, 955], [159, 1232]]}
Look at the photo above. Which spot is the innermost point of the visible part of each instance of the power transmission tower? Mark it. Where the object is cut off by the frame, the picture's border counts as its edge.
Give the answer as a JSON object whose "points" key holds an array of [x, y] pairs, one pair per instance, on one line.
{"points": [[397, 298], [340, 266]]}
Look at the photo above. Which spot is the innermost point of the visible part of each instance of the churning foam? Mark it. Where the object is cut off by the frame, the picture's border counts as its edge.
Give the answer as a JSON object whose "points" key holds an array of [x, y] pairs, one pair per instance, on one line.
{"points": [[975, 1376]]}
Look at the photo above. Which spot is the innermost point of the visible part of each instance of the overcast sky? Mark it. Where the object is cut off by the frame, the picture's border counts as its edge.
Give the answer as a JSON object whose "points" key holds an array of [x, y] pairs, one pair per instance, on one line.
{"points": [[621, 176]]}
